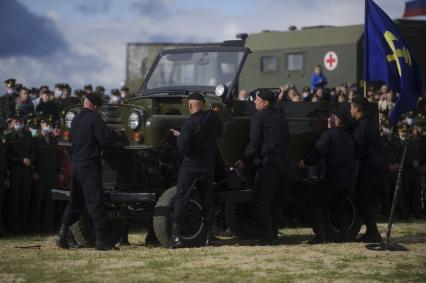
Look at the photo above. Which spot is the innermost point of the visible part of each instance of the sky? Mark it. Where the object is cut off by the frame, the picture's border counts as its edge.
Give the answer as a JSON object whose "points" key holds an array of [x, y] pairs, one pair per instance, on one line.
{"points": [[84, 41]]}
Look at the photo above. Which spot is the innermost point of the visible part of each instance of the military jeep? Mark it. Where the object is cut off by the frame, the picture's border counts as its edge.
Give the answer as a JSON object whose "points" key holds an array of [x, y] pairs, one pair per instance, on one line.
{"points": [[140, 170]]}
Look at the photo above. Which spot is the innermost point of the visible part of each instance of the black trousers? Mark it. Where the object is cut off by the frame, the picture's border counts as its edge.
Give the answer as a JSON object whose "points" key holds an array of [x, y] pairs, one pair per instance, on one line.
{"points": [[369, 183], [41, 217], [2, 193], [265, 201], [19, 197], [189, 171], [87, 192]]}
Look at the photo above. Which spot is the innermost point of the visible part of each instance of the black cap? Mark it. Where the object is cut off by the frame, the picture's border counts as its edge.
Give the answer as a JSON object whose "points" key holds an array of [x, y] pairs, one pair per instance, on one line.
{"points": [[47, 119], [196, 96], [88, 87], [99, 88], [360, 100], [10, 82], [343, 112], [115, 91], [125, 88], [94, 98], [266, 95], [18, 115]]}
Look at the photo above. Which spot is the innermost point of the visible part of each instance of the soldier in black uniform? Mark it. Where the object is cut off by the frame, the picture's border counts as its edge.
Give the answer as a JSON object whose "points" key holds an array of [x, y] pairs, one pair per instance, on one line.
{"points": [[197, 142], [269, 148], [89, 134], [3, 177], [21, 154], [337, 148], [47, 168], [372, 168], [7, 102]]}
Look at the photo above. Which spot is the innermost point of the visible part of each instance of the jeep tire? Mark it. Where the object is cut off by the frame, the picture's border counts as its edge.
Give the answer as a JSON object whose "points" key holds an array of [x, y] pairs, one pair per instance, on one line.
{"points": [[193, 230], [84, 232]]}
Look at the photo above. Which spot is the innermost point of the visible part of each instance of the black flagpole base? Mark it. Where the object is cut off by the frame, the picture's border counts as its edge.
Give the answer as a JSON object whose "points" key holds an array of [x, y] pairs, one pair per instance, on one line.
{"points": [[386, 247]]}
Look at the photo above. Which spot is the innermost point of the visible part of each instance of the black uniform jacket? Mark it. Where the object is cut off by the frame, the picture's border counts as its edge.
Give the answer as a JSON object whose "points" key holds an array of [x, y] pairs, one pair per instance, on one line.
{"points": [[198, 136], [20, 145], [47, 157], [269, 137], [337, 147], [368, 142], [88, 134]]}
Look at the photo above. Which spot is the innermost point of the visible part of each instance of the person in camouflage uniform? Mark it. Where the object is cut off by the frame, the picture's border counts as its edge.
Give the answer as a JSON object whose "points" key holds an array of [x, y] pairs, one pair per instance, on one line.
{"points": [[7, 101]]}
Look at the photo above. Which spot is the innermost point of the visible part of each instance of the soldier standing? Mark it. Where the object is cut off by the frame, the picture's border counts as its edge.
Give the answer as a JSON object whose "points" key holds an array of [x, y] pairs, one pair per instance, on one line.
{"points": [[47, 169], [89, 134], [21, 155], [7, 102], [337, 147], [269, 147], [3, 178], [372, 168], [197, 142]]}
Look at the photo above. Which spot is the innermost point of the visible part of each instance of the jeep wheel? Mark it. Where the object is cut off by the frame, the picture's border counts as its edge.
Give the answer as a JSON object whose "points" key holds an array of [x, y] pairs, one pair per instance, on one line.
{"points": [[342, 220], [193, 228], [240, 220], [84, 232]]}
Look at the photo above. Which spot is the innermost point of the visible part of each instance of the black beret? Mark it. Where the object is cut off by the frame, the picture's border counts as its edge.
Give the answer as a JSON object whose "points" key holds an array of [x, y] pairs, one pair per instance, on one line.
{"points": [[266, 95], [196, 96], [360, 100], [343, 112], [94, 98]]}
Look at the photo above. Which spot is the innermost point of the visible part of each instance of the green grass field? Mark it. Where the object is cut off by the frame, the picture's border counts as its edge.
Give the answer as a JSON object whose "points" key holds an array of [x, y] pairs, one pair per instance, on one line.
{"points": [[232, 261]]}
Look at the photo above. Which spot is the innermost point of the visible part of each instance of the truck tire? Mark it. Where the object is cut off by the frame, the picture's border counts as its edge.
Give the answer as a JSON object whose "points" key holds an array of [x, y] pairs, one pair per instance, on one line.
{"points": [[240, 220], [342, 221], [193, 230], [84, 232]]}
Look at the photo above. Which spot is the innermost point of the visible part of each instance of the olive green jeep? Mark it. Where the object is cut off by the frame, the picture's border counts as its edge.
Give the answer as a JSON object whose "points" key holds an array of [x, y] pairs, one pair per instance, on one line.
{"points": [[140, 171]]}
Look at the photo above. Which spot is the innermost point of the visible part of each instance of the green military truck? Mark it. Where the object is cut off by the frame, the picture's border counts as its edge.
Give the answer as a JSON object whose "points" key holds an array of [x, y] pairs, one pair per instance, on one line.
{"points": [[140, 171]]}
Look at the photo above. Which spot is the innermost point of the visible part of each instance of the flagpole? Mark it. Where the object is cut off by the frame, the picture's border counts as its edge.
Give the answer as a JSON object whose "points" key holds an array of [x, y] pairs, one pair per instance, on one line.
{"points": [[365, 48]]}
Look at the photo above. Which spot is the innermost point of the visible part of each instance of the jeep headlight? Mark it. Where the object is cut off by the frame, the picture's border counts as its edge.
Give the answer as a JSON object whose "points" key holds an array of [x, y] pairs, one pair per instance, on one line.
{"points": [[134, 121], [69, 116]]}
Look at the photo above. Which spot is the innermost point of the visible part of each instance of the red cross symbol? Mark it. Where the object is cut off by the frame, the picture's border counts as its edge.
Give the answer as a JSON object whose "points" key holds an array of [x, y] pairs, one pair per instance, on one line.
{"points": [[331, 60]]}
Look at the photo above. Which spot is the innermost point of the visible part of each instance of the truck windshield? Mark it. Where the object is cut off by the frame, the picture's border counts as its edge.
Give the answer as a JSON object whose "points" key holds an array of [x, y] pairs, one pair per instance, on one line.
{"points": [[195, 69]]}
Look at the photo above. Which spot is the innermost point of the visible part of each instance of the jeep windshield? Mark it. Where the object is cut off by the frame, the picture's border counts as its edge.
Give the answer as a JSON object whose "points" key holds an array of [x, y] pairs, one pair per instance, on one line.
{"points": [[191, 70]]}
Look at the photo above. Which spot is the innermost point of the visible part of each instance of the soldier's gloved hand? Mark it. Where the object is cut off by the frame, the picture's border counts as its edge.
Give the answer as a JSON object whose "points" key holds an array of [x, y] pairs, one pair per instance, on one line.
{"points": [[26, 161]]}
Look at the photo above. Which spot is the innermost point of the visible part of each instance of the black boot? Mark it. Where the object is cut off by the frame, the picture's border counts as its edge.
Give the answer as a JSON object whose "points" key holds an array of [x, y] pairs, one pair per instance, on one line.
{"points": [[176, 238], [372, 235], [151, 239], [320, 234], [62, 240], [100, 244], [124, 240]]}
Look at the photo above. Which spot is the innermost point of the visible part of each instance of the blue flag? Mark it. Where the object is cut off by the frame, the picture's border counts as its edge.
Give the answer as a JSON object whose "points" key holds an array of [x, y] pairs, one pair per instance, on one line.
{"points": [[387, 58]]}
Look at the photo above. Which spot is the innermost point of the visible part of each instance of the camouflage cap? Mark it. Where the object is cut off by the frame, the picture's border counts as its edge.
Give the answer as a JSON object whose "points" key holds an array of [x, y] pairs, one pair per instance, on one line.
{"points": [[10, 82]]}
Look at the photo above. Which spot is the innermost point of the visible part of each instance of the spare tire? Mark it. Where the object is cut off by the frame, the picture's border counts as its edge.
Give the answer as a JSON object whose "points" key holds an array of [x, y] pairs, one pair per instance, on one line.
{"points": [[342, 221], [193, 228], [84, 232], [240, 219]]}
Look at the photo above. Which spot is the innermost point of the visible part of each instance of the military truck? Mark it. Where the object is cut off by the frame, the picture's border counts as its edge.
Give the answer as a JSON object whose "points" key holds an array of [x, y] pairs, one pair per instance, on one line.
{"points": [[140, 170]]}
